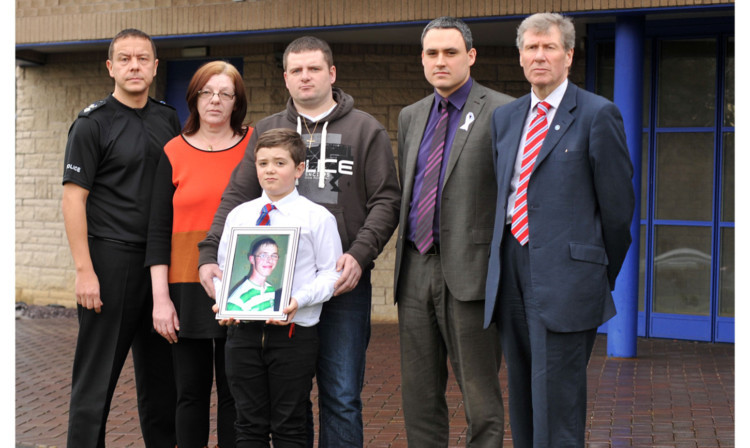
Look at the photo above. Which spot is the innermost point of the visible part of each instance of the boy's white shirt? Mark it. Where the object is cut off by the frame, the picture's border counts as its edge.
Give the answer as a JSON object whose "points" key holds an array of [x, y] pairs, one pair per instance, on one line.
{"points": [[318, 250]]}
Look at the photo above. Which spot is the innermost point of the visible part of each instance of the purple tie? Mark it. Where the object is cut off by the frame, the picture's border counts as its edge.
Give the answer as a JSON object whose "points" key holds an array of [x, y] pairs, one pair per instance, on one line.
{"points": [[428, 195], [265, 218]]}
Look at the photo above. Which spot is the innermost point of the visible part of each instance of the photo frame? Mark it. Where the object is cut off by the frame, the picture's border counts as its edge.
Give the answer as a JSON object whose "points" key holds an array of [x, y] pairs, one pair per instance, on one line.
{"points": [[252, 259]]}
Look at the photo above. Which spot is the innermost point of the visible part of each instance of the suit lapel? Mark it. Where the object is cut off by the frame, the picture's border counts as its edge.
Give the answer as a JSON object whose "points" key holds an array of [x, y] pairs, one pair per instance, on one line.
{"points": [[563, 119], [413, 140], [472, 109], [510, 142]]}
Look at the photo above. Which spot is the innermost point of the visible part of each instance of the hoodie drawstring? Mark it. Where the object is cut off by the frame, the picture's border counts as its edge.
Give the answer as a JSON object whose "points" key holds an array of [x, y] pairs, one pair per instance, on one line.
{"points": [[322, 159], [299, 131]]}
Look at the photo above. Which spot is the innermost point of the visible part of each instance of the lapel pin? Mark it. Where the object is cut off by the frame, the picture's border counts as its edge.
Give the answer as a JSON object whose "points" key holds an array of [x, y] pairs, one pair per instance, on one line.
{"points": [[557, 127], [469, 120]]}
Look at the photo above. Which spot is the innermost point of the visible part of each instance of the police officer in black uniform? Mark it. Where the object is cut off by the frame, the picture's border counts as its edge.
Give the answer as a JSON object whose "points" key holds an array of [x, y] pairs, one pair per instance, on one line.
{"points": [[110, 159]]}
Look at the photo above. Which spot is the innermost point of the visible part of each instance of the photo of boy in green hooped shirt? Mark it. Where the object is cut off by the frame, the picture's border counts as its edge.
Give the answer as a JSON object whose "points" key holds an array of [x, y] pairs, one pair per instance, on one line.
{"points": [[254, 293]]}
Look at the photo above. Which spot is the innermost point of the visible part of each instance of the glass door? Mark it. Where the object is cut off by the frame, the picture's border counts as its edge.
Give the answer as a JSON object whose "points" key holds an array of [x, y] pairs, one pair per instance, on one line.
{"points": [[687, 194], [685, 110], [724, 328]]}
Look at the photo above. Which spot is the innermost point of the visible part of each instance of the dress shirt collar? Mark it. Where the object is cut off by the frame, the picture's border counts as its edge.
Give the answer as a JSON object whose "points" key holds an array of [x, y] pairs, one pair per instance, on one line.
{"points": [[457, 98], [553, 99], [282, 204]]}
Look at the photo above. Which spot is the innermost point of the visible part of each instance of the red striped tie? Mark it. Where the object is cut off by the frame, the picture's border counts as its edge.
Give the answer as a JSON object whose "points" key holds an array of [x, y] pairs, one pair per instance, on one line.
{"points": [[537, 131], [265, 215]]}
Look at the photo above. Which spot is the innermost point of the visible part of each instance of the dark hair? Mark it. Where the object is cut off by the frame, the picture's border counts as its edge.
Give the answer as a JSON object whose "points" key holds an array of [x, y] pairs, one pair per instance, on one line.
{"points": [[261, 242], [285, 138], [130, 32], [450, 23], [200, 78], [309, 43]]}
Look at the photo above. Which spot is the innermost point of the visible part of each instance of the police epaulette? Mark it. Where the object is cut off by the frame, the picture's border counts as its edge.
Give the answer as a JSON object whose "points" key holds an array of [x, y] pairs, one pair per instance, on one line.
{"points": [[162, 103], [92, 107]]}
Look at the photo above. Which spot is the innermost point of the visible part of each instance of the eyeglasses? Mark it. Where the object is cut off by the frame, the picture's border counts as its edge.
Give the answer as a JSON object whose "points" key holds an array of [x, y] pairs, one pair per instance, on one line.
{"points": [[265, 257], [208, 95]]}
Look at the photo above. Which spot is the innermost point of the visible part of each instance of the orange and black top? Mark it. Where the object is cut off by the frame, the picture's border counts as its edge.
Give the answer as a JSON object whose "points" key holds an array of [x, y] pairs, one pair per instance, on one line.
{"points": [[187, 191]]}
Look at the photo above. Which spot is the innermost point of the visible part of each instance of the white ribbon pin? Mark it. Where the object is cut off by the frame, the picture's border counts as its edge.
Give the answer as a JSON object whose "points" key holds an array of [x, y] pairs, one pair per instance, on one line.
{"points": [[469, 120]]}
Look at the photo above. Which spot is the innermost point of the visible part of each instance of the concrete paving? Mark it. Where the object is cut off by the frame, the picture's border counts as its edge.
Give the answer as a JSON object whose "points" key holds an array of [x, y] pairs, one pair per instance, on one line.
{"points": [[676, 394]]}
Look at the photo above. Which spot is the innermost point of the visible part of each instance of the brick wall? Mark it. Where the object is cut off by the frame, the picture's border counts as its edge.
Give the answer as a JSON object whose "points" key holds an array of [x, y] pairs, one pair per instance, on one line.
{"points": [[382, 80], [47, 100]]}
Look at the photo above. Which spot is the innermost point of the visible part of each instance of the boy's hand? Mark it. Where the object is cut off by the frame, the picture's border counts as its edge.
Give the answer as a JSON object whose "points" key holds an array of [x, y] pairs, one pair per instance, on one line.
{"points": [[207, 272], [350, 270], [290, 311], [224, 322]]}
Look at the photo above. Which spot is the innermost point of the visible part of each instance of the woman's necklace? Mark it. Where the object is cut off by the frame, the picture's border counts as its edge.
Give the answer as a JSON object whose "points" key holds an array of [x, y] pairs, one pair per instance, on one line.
{"points": [[218, 143]]}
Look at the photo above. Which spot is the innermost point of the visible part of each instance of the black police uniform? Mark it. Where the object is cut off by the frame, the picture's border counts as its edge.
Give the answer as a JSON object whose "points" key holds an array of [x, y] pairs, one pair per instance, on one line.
{"points": [[112, 152]]}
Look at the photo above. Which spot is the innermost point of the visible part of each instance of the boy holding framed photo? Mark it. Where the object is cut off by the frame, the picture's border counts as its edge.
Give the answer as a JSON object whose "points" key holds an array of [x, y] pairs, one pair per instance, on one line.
{"points": [[270, 363]]}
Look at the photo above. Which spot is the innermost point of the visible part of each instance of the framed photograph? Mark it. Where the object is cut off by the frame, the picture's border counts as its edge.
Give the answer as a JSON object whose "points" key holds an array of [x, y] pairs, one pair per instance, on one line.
{"points": [[257, 281]]}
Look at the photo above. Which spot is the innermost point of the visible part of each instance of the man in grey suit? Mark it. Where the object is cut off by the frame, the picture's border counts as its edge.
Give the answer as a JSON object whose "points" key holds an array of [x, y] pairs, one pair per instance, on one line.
{"points": [[446, 218], [562, 229]]}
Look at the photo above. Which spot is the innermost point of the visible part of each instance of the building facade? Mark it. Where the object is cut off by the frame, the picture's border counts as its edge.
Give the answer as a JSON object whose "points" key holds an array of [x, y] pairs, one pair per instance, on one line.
{"points": [[679, 109]]}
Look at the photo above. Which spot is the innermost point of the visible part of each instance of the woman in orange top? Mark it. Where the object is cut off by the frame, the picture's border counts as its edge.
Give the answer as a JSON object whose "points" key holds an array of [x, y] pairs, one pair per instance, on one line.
{"points": [[191, 176]]}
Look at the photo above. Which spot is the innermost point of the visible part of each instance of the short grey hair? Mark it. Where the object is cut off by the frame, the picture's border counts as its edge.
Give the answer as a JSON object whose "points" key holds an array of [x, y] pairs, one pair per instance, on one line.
{"points": [[541, 23], [450, 23]]}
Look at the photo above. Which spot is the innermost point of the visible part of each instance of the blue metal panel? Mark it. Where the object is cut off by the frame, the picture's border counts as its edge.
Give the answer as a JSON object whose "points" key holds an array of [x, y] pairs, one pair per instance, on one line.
{"points": [[641, 324], [679, 326], [724, 329]]}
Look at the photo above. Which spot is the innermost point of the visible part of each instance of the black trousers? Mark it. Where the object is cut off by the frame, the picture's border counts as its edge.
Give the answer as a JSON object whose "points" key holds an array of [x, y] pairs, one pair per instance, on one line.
{"points": [[103, 343], [194, 364], [546, 370], [270, 370]]}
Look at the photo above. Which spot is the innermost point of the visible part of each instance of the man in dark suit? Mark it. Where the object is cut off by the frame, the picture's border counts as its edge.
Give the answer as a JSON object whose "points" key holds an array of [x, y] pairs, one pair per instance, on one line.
{"points": [[562, 229], [443, 245]]}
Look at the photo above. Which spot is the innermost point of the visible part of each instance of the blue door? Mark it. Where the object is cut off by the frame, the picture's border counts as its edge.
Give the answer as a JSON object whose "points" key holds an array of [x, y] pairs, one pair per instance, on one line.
{"points": [[687, 191]]}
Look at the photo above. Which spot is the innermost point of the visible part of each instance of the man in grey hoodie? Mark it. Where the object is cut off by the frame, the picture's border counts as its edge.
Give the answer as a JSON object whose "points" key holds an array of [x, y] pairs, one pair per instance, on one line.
{"points": [[349, 169]]}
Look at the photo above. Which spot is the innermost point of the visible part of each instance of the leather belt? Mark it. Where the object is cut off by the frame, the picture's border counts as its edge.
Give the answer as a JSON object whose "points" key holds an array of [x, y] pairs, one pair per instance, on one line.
{"points": [[433, 250]]}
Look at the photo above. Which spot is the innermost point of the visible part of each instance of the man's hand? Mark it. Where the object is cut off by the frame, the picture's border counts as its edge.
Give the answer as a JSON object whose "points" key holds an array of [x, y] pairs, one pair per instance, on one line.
{"points": [[76, 227], [290, 312], [207, 272], [166, 322], [87, 290], [350, 274]]}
